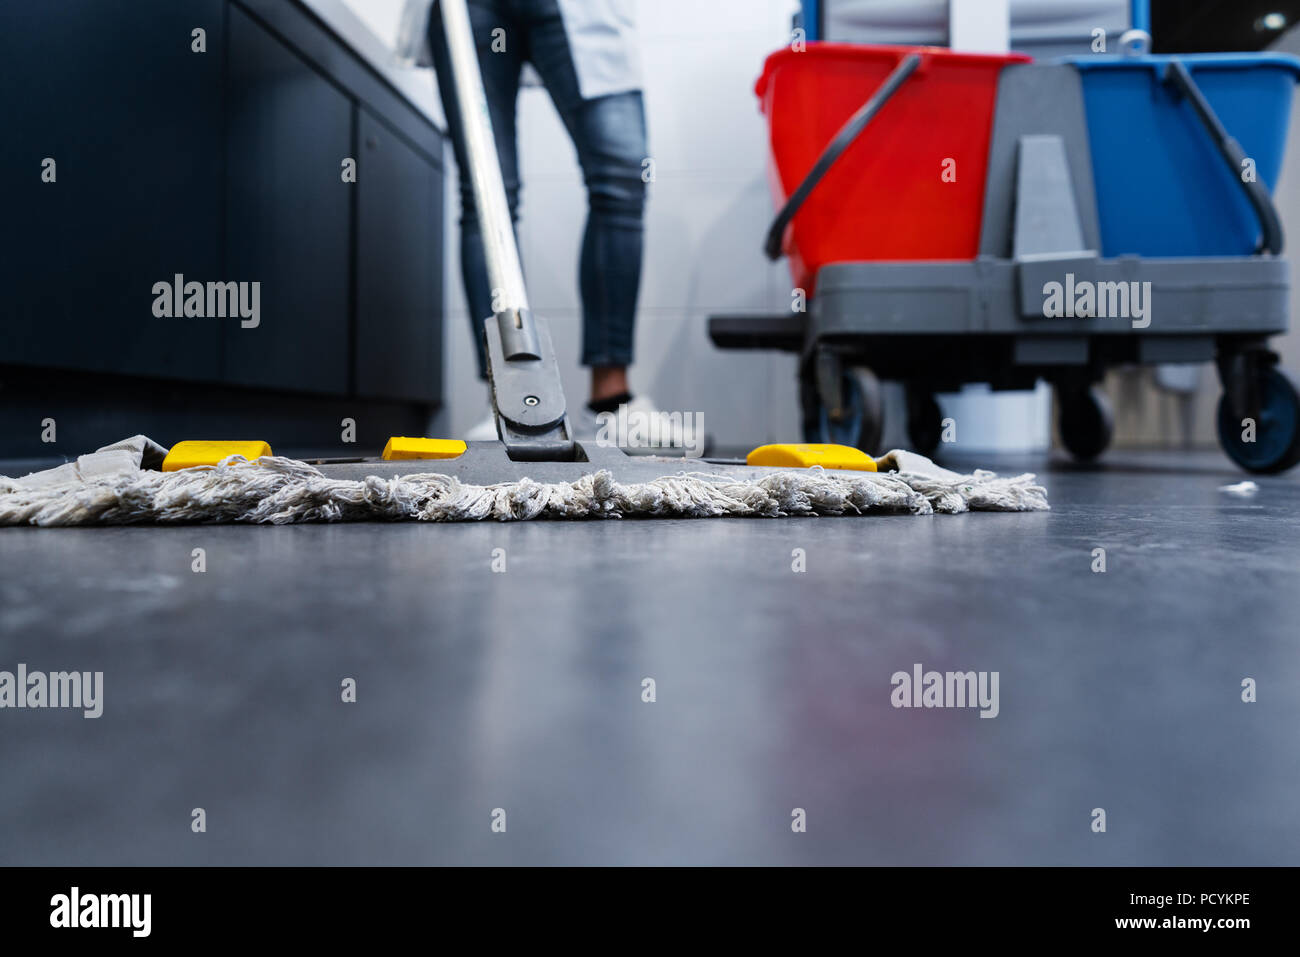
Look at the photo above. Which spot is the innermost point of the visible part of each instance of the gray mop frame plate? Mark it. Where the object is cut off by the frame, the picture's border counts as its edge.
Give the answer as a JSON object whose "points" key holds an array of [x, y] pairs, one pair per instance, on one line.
{"points": [[486, 463]]}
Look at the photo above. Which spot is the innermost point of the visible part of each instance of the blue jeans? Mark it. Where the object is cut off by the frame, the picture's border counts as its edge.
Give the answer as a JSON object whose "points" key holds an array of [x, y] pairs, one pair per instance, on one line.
{"points": [[610, 136]]}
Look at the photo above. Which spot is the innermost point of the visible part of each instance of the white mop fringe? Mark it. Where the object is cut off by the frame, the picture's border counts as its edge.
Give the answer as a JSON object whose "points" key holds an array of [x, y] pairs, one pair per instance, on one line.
{"points": [[109, 487]]}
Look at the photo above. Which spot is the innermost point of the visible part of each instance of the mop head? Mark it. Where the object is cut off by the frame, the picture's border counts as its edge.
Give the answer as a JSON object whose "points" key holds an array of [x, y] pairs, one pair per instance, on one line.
{"points": [[118, 485]]}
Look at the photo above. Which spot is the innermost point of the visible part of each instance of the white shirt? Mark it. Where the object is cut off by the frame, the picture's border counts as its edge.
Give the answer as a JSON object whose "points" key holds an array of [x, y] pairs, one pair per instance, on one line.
{"points": [[601, 33]]}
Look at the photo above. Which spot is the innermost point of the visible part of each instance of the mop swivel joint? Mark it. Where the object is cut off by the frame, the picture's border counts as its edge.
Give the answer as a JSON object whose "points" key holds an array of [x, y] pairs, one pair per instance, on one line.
{"points": [[527, 396]]}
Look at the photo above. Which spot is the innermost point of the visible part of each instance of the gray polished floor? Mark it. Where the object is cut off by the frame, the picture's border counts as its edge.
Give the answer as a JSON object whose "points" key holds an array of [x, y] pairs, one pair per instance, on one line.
{"points": [[522, 689]]}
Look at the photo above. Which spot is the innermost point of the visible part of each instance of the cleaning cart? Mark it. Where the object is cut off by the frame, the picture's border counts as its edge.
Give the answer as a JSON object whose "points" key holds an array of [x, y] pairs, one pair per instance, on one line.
{"points": [[956, 218]]}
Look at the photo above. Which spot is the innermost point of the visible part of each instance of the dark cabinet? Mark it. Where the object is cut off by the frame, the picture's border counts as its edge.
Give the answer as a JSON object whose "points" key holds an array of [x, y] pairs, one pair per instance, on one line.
{"points": [[222, 167], [287, 215], [399, 266], [114, 94]]}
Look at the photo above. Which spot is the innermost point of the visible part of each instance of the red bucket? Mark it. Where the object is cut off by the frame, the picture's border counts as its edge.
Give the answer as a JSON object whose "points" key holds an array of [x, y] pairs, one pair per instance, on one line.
{"points": [[912, 185]]}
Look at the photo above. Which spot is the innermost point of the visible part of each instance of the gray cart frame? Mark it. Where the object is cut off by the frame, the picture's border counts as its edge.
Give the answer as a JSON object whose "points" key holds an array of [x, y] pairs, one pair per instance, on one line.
{"points": [[938, 325]]}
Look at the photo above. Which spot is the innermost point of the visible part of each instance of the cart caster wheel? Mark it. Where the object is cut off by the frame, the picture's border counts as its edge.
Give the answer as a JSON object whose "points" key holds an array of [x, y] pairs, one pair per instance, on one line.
{"points": [[862, 421], [924, 421], [1276, 445], [1086, 420]]}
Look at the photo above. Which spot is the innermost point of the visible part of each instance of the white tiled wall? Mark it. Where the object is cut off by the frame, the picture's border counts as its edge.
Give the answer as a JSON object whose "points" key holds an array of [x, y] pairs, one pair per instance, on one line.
{"points": [[381, 16]]}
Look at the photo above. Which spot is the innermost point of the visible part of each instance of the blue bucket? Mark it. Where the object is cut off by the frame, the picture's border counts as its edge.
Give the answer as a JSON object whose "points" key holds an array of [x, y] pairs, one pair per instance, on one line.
{"points": [[1163, 188]]}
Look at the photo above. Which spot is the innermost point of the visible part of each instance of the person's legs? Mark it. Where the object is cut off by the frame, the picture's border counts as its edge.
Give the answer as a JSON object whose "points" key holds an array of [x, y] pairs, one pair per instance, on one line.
{"points": [[610, 136], [611, 139], [501, 82]]}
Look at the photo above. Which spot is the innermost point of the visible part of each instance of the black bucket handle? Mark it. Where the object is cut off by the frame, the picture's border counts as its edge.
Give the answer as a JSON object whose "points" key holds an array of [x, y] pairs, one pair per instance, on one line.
{"points": [[843, 139], [1179, 77]]}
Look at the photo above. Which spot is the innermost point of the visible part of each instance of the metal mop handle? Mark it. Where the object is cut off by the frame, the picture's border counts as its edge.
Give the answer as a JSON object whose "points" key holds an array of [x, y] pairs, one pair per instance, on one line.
{"points": [[524, 377], [504, 271]]}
